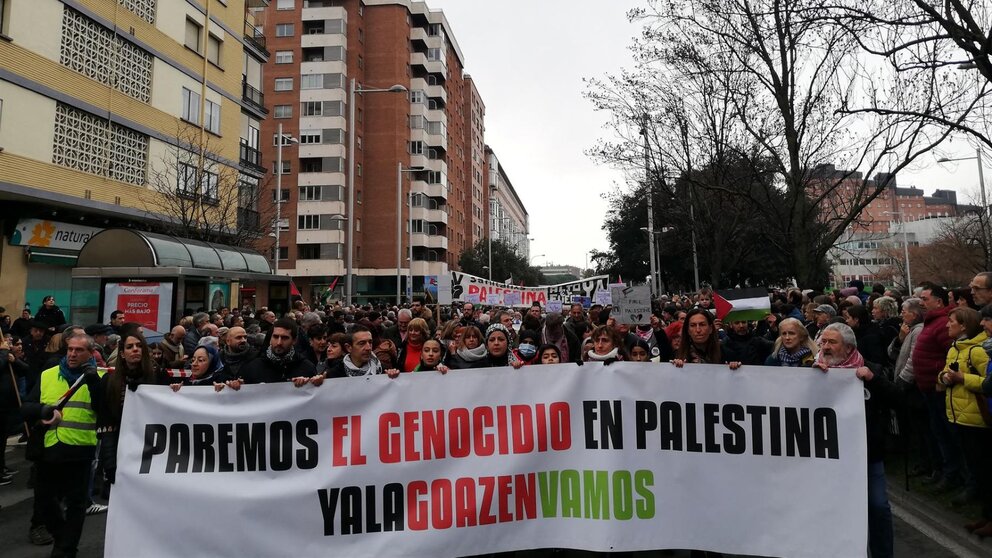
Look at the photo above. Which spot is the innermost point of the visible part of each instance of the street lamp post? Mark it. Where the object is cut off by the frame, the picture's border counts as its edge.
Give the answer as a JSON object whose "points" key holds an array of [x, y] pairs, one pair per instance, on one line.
{"points": [[282, 138], [905, 248], [352, 90], [650, 191], [535, 257], [399, 227], [985, 204]]}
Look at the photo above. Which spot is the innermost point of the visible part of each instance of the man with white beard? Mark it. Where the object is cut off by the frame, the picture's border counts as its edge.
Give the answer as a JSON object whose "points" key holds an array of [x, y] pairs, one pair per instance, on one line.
{"points": [[839, 349]]}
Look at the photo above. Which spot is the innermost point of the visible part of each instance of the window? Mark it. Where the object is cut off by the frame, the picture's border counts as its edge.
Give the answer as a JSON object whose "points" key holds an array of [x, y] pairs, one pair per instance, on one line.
{"points": [[312, 81], [311, 108], [308, 222], [285, 167], [187, 182], [285, 4], [283, 111], [191, 106], [287, 139], [310, 193], [336, 136], [417, 96], [310, 137], [284, 250], [284, 84], [284, 194], [308, 251], [284, 57], [284, 30], [416, 148], [312, 164], [193, 30], [213, 49], [212, 116]]}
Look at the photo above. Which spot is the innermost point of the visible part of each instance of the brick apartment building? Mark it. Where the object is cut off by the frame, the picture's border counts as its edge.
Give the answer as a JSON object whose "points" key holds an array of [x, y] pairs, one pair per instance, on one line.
{"points": [[430, 137], [865, 249]]}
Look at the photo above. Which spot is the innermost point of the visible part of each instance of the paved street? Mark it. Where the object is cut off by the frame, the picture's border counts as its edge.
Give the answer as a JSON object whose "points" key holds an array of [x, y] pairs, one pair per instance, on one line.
{"points": [[920, 532]]}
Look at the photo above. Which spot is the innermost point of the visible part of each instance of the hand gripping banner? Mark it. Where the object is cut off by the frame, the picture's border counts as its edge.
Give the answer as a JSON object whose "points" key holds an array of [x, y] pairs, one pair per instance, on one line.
{"points": [[630, 456]]}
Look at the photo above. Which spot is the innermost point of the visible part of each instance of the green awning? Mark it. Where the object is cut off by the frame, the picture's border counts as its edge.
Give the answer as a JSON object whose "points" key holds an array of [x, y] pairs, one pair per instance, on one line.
{"points": [[52, 256]]}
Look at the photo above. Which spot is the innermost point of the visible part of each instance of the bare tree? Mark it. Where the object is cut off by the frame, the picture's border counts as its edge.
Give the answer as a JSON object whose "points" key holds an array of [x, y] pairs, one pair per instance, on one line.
{"points": [[927, 44], [203, 197], [777, 77]]}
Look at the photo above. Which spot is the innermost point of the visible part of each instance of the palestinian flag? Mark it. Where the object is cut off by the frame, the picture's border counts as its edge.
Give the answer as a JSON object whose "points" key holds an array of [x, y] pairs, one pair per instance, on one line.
{"points": [[737, 305]]}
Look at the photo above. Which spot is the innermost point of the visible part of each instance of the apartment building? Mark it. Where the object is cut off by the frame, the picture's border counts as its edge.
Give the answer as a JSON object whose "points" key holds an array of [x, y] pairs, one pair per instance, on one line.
{"points": [[418, 160], [98, 100], [898, 216], [508, 218]]}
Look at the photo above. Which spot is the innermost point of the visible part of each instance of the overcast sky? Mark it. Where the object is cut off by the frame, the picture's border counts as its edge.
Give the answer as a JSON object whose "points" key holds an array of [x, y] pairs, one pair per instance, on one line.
{"points": [[528, 59]]}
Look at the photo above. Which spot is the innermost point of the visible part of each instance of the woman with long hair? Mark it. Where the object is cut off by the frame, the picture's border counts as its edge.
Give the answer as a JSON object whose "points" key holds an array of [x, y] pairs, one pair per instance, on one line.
{"points": [[133, 367], [471, 351], [793, 347], [700, 342], [416, 333]]}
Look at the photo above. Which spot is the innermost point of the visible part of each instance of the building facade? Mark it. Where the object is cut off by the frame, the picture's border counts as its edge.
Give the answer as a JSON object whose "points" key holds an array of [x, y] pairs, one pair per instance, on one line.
{"points": [[419, 150], [509, 221], [99, 100], [898, 216]]}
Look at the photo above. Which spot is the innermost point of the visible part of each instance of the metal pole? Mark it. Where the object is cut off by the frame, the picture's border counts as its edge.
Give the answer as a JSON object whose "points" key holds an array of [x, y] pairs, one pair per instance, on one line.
{"points": [[399, 229], [351, 194], [985, 208], [409, 276], [695, 256], [490, 237], [278, 198], [905, 247], [650, 193]]}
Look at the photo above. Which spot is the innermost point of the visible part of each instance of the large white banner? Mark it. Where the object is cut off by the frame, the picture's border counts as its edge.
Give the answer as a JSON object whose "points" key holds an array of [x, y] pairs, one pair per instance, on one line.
{"points": [[633, 456]]}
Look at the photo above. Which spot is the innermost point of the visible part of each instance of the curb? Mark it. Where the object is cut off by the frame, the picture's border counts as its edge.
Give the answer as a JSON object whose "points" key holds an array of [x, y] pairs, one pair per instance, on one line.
{"points": [[938, 523]]}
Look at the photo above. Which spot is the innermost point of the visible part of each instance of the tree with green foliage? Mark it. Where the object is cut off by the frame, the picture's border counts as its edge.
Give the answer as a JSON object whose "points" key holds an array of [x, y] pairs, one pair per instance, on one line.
{"points": [[507, 263]]}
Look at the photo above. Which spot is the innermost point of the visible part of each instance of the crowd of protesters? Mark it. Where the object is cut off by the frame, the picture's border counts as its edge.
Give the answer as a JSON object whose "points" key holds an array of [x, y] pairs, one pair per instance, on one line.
{"points": [[921, 355]]}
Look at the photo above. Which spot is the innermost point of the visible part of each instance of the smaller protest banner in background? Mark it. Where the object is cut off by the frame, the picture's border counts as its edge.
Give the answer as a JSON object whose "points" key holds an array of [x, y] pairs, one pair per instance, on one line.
{"points": [[444, 289], [472, 298], [604, 297], [632, 305], [553, 306], [511, 298], [585, 301]]}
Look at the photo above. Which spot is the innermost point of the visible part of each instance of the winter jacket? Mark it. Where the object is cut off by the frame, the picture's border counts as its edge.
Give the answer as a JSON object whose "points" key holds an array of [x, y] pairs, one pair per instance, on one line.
{"points": [[262, 370], [53, 317], [930, 352], [900, 352], [871, 343], [962, 399]]}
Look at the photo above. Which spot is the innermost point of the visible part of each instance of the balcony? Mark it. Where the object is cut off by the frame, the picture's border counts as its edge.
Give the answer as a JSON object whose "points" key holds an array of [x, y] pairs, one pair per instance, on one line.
{"points": [[430, 240], [251, 158], [430, 66], [438, 215], [253, 97], [431, 190], [255, 38], [437, 92], [314, 14]]}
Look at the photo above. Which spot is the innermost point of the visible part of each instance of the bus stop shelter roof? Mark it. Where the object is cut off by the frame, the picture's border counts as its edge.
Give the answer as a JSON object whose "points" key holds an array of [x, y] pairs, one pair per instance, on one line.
{"points": [[131, 253]]}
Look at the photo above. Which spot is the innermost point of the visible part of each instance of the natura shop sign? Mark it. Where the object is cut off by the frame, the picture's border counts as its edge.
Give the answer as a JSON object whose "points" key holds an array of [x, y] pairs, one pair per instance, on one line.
{"points": [[42, 233]]}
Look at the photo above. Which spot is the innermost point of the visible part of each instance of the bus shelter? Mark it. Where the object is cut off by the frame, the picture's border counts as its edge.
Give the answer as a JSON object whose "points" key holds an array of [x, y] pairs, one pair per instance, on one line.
{"points": [[156, 279]]}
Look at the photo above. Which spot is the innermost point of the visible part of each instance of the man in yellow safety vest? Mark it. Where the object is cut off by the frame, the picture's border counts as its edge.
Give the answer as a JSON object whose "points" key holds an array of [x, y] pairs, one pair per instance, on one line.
{"points": [[69, 440]]}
